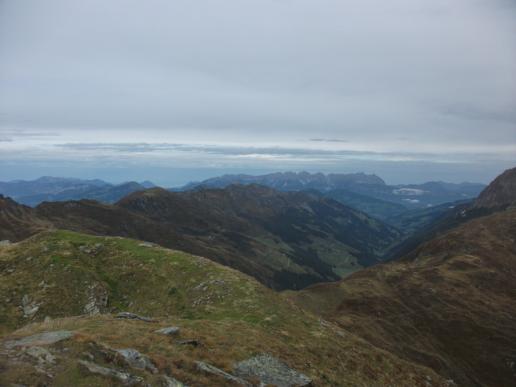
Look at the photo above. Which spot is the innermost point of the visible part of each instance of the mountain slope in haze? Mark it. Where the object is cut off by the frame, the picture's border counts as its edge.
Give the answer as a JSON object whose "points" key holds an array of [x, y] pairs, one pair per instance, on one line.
{"points": [[498, 195], [380, 209], [412, 221], [371, 194], [46, 185], [450, 304], [284, 239], [47, 188], [292, 181], [105, 194], [80, 282]]}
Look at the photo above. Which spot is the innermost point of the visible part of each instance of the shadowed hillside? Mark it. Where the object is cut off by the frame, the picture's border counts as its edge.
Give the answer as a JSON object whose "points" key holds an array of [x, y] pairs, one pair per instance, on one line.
{"points": [[450, 304], [284, 239]]}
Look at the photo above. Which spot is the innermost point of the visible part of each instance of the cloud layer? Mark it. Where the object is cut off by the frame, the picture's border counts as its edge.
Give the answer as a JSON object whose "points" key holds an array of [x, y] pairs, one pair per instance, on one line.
{"points": [[246, 81]]}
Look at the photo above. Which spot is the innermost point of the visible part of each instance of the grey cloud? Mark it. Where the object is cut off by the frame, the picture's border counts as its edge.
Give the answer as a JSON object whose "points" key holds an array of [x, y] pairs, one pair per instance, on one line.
{"points": [[328, 140], [300, 154], [478, 113], [390, 76]]}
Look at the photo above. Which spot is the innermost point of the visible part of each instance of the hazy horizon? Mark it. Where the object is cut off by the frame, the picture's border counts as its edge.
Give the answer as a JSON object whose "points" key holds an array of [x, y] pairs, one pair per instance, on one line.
{"points": [[162, 183], [174, 92]]}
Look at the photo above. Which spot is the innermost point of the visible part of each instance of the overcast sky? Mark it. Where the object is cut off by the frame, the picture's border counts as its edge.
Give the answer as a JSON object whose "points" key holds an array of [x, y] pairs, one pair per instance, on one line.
{"points": [[173, 91]]}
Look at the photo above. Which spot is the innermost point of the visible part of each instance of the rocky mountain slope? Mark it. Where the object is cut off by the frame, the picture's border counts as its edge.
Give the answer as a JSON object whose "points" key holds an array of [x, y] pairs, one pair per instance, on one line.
{"points": [[450, 304], [83, 310], [501, 193], [284, 239]]}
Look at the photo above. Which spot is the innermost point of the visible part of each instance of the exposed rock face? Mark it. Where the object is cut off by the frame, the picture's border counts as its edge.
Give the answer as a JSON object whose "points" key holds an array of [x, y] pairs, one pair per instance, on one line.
{"points": [[137, 360], [169, 381], [29, 307], [134, 316], [169, 331], [124, 377], [208, 368], [271, 371], [42, 355], [97, 300], [45, 338]]}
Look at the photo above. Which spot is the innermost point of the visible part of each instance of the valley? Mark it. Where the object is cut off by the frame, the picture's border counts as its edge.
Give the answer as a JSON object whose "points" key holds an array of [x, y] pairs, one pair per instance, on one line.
{"points": [[104, 278]]}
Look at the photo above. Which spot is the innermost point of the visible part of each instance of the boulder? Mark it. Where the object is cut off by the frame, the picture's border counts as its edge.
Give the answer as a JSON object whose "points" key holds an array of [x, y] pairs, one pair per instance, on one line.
{"points": [[168, 381], [169, 331], [42, 355], [45, 338], [270, 370], [133, 316], [135, 359], [124, 377], [209, 369]]}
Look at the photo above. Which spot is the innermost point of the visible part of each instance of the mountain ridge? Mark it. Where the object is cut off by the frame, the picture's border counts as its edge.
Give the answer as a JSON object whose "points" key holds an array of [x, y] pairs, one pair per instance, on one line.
{"points": [[285, 239]]}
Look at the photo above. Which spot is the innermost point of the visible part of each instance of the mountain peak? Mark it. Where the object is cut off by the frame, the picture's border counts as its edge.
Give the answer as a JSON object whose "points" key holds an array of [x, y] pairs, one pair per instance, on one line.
{"points": [[500, 193]]}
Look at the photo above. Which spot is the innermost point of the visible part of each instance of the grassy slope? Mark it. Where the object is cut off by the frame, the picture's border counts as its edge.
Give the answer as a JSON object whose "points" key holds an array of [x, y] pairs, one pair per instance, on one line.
{"points": [[450, 305], [231, 314]]}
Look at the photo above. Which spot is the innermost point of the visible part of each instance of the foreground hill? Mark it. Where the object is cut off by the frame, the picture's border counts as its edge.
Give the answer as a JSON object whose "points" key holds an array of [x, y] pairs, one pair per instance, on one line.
{"points": [[449, 305], [230, 330], [284, 239]]}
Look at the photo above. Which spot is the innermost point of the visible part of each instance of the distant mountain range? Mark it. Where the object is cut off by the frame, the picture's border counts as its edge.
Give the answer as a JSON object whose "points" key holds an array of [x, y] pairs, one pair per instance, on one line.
{"points": [[284, 239], [367, 193], [53, 189], [441, 313]]}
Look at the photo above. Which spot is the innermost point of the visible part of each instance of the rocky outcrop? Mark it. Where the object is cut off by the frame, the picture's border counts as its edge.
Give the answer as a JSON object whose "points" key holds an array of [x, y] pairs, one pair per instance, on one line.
{"points": [[135, 359], [30, 308], [45, 338], [168, 381], [133, 316], [209, 369], [122, 376], [168, 331], [270, 370], [98, 298]]}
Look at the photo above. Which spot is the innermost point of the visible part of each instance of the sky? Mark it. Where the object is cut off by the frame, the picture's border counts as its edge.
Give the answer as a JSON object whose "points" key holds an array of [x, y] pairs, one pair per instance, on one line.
{"points": [[175, 91]]}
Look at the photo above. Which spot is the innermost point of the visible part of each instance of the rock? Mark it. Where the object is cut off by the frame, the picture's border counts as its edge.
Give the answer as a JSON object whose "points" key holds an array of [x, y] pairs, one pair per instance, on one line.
{"points": [[169, 331], [124, 377], [205, 367], [270, 371], [137, 360], [45, 338], [168, 381], [146, 244], [29, 308], [5, 242], [42, 355], [192, 342], [97, 299], [133, 316]]}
